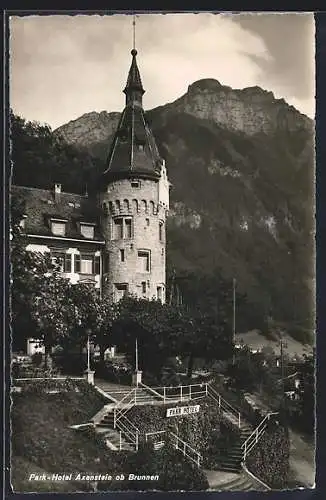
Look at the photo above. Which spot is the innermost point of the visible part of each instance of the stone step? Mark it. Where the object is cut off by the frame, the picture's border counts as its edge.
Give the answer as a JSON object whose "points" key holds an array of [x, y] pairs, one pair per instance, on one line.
{"points": [[227, 468], [243, 484], [112, 438]]}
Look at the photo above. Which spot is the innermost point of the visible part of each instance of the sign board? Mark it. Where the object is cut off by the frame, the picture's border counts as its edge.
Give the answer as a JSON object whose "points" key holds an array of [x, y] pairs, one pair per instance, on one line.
{"points": [[182, 410]]}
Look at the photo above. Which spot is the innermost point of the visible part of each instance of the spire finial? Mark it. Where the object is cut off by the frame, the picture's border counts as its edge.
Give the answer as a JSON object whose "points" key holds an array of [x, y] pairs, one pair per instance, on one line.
{"points": [[134, 33]]}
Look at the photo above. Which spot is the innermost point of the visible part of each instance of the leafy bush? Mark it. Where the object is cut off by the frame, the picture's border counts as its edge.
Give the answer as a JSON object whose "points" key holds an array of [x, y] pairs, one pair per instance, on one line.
{"points": [[207, 431], [269, 459], [173, 470]]}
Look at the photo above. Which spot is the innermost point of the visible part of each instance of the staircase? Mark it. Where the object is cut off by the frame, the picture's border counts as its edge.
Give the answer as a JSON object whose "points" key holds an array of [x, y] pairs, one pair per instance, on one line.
{"points": [[120, 433], [229, 481], [113, 438], [232, 459]]}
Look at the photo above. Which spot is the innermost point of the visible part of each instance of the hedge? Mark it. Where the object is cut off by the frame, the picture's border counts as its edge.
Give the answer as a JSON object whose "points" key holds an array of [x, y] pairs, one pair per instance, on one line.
{"points": [[206, 431], [269, 459], [173, 470]]}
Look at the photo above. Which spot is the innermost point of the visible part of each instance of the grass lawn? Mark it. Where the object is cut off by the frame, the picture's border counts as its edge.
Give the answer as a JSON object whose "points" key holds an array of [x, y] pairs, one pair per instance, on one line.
{"points": [[43, 442], [21, 470]]}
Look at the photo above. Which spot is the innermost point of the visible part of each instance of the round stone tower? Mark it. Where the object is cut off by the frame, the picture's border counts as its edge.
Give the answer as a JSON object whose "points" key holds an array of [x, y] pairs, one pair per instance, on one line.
{"points": [[134, 201]]}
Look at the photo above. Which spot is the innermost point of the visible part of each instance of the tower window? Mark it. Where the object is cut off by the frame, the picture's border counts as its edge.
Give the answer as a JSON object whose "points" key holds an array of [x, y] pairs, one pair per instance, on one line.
{"points": [[122, 255], [121, 290], [135, 184], [147, 222], [122, 228], [143, 287], [161, 231], [128, 228], [143, 261], [159, 293], [118, 228]]}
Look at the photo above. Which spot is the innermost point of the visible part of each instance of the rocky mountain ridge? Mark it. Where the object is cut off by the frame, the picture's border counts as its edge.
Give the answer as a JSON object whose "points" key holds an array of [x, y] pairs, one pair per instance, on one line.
{"points": [[251, 110]]}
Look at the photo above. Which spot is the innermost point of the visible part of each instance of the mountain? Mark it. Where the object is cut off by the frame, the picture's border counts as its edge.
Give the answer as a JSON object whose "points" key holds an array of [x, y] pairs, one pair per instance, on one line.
{"points": [[251, 110], [241, 165]]}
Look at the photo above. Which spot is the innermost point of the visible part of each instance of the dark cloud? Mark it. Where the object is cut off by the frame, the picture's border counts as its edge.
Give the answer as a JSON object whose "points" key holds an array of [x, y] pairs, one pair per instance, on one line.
{"points": [[287, 38]]}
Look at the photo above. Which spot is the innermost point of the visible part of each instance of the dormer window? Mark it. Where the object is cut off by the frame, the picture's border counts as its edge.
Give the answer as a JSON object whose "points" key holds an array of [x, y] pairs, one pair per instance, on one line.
{"points": [[87, 230], [58, 227], [135, 184], [123, 136]]}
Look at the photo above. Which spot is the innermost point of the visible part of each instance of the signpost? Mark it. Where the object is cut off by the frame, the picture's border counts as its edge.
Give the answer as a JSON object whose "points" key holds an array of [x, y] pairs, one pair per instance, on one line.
{"points": [[182, 410]]}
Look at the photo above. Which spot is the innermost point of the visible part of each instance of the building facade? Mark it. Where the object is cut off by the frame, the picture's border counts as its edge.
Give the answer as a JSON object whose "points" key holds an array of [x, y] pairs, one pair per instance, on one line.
{"points": [[115, 240]]}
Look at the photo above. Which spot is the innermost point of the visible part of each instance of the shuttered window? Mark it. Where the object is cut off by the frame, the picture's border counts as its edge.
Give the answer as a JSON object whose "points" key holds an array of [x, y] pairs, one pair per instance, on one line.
{"points": [[63, 260], [87, 264]]}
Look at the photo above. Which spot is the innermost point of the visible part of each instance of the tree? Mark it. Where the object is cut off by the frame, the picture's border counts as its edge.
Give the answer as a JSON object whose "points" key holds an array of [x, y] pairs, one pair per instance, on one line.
{"points": [[49, 311], [28, 270], [41, 158], [105, 315], [164, 331]]}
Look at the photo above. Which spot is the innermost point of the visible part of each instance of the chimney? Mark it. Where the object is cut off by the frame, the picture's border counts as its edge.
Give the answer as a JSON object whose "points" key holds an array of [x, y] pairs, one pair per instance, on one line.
{"points": [[57, 191]]}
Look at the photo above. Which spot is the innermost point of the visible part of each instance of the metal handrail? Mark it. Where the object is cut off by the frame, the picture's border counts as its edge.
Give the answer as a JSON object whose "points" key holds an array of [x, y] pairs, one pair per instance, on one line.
{"points": [[150, 389], [253, 439], [224, 405], [198, 457], [234, 410], [47, 378], [186, 445], [132, 392], [153, 433], [181, 392], [120, 412], [126, 427]]}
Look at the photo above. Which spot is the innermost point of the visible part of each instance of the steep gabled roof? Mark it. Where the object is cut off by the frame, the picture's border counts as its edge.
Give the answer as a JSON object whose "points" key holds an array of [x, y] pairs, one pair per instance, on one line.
{"points": [[41, 205]]}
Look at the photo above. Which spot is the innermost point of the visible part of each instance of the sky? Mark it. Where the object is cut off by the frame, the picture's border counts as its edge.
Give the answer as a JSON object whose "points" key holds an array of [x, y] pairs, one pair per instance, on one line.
{"points": [[63, 66]]}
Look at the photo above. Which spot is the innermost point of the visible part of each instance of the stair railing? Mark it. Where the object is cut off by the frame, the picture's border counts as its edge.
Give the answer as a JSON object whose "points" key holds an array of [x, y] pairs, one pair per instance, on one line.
{"points": [[256, 434], [182, 392], [124, 405], [187, 450], [152, 391], [224, 405], [179, 444], [129, 431]]}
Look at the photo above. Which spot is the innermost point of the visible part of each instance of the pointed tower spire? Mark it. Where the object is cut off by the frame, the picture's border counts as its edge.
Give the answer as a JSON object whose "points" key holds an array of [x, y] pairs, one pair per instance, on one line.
{"points": [[134, 88], [133, 152]]}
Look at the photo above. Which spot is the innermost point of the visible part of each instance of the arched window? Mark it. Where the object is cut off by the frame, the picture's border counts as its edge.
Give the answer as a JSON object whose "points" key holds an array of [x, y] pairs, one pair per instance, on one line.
{"points": [[135, 205], [105, 209], [126, 205]]}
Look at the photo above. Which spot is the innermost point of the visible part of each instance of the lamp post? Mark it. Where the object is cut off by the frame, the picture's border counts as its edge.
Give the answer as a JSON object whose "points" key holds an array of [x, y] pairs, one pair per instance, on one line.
{"points": [[233, 322], [88, 353], [89, 373], [282, 346], [137, 375]]}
